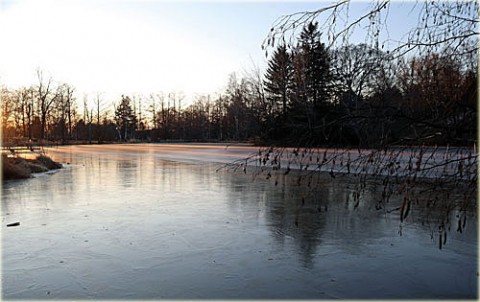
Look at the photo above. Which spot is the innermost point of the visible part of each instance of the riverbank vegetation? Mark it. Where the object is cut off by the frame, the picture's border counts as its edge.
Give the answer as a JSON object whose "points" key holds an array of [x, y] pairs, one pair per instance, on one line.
{"points": [[314, 92], [20, 168], [397, 102], [430, 100]]}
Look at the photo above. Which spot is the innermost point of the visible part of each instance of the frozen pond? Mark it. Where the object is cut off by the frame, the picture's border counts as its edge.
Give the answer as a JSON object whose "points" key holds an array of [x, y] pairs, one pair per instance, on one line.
{"points": [[142, 222]]}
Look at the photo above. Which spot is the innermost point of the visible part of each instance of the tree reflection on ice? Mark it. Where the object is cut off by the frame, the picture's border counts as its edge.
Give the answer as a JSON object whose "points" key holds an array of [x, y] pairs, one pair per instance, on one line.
{"points": [[130, 224]]}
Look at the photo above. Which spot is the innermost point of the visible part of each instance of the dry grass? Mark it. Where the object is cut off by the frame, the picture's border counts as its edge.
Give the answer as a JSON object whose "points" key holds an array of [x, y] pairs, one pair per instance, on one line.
{"points": [[20, 168], [15, 168]]}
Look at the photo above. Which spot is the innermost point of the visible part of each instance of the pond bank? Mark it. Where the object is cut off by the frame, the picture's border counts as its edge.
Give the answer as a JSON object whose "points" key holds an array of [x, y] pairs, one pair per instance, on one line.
{"points": [[20, 168]]}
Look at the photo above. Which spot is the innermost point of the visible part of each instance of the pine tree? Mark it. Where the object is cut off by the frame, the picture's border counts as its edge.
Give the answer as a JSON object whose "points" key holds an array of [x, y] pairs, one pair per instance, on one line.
{"points": [[125, 118], [314, 63], [313, 83], [279, 78]]}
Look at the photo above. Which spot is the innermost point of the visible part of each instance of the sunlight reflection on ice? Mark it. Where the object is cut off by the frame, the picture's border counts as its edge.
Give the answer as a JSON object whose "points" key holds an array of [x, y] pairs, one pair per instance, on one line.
{"points": [[123, 222]]}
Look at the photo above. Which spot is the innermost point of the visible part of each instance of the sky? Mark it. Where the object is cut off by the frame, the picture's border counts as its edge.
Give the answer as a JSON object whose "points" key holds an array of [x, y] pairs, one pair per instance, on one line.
{"points": [[138, 47]]}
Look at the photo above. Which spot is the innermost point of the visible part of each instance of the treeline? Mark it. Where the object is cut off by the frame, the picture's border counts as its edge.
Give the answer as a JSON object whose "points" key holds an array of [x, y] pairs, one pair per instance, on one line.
{"points": [[355, 95]]}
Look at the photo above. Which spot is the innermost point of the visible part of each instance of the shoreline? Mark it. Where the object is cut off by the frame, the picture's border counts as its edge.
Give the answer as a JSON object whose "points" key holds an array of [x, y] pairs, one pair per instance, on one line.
{"points": [[23, 168]]}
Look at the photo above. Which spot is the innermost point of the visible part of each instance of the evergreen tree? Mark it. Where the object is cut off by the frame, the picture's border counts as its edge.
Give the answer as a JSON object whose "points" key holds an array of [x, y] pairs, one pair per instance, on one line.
{"points": [[314, 66], [125, 119], [313, 85], [279, 78]]}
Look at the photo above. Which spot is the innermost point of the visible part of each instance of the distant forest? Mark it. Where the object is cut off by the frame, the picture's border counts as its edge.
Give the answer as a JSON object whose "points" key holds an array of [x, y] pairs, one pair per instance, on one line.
{"points": [[355, 95]]}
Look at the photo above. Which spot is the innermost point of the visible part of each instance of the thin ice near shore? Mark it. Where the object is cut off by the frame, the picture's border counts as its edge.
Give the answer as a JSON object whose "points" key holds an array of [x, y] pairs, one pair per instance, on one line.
{"points": [[403, 162]]}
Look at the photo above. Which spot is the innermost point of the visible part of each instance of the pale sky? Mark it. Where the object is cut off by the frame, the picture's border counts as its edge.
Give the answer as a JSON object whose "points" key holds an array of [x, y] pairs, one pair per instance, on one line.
{"points": [[135, 47]]}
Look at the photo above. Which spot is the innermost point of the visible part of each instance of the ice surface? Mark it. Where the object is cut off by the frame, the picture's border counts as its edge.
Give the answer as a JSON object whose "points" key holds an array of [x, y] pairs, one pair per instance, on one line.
{"points": [[159, 222]]}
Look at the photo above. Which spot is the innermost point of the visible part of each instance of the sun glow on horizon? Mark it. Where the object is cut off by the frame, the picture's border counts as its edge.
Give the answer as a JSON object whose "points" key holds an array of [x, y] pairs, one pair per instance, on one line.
{"points": [[98, 47]]}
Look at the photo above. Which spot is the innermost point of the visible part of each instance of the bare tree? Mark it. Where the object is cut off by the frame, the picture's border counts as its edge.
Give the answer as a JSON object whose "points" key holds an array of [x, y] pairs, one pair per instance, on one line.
{"points": [[434, 94], [152, 109], [441, 24], [446, 27], [69, 107], [98, 105], [23, 99], [88, 117], [46, 98], [7, 110]]}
